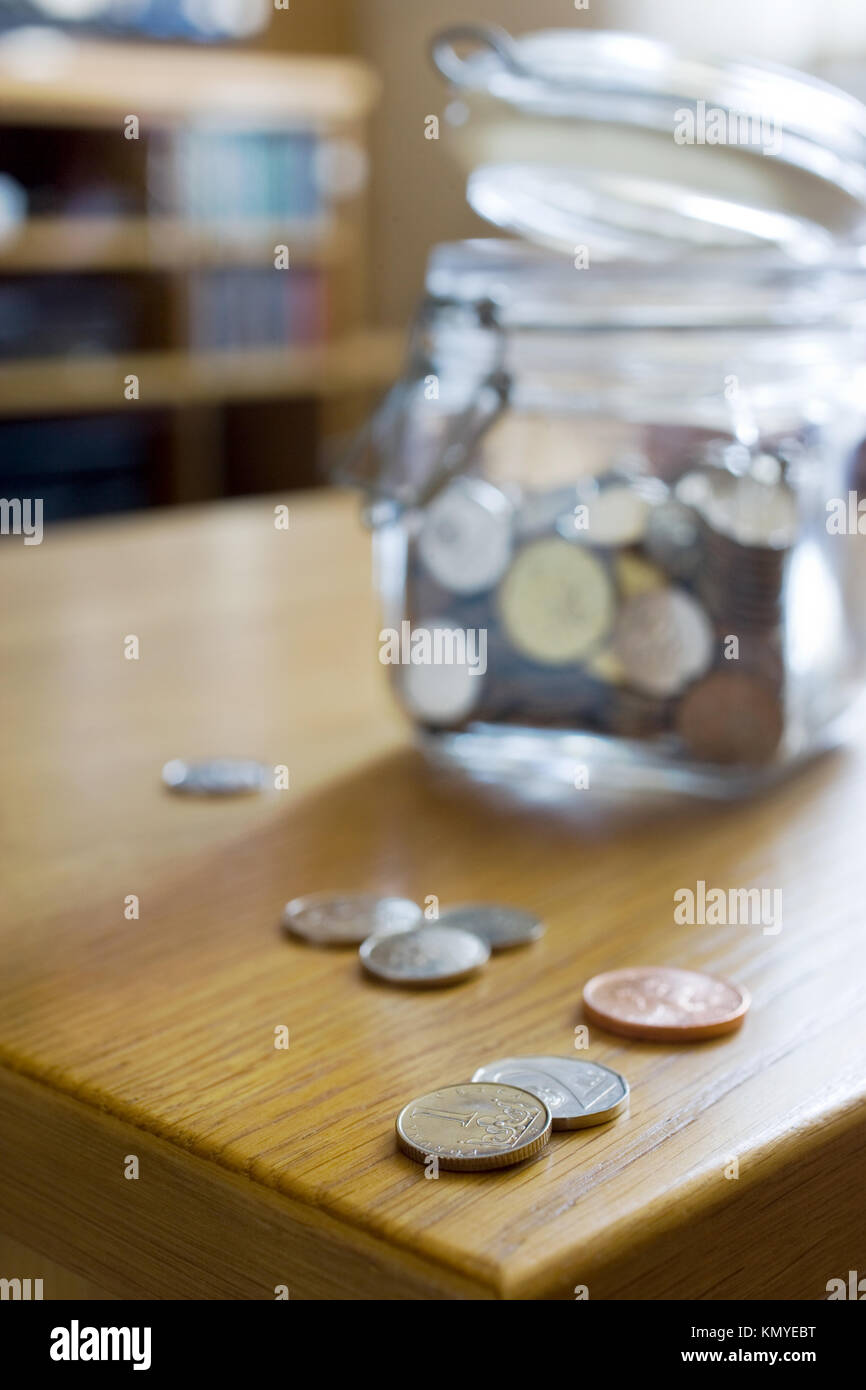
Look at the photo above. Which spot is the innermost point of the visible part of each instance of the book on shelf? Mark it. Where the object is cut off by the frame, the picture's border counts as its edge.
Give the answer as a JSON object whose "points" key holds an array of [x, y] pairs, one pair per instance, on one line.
{"points": [[154, 19], [231, 176], [250, 307]]}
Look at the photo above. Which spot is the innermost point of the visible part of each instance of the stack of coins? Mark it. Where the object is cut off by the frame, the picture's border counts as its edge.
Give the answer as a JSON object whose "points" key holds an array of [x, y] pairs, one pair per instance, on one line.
{"points": [[748, 530], [399, 947], [505, 1114], [609, 606]]}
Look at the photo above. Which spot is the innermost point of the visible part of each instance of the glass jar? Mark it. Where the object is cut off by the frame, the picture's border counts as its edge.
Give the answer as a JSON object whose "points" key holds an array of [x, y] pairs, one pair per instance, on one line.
{"points": [[616, 511]]}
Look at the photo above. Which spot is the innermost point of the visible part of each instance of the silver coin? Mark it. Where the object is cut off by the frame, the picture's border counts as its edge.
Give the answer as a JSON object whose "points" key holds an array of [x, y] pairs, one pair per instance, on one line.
{"points": [[672, 539], [576, 1093], [430, 955], [215, 776], [465, 542], [664, 639], [753, 513], [747, 510], [614, 516], [541, 511], [444, 688], [346, 919], [500, 927]]}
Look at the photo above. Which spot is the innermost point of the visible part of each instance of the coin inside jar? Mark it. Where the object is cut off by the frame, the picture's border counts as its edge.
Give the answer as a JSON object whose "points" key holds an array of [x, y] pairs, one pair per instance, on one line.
{"points": [[577, 1093], [664, 1004], [465, 541], [346, 919], [500, 927], [444, 685], [637, 576], [731, 717], [664, 640], [556, 602], [428, 956], [749, 511], [613, 516], [474, 1126]]}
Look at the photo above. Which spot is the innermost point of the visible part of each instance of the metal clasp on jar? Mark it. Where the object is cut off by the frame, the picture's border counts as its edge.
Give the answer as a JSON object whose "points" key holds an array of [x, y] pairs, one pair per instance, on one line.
{"points": [[371, 459]]}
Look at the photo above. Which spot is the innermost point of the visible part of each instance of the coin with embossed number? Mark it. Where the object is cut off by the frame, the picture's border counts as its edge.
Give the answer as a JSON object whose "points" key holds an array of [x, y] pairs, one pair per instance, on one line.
{"points": [[576, 1093], [664, 1004], [429, 956], [500, 927], [215, 776], [474, 1126], [345, 919]]}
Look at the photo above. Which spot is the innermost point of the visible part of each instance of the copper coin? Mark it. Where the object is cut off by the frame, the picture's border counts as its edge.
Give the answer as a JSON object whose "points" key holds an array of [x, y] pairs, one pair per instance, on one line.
{"points": [[662, 1004], [731, 717], [760, 654]]}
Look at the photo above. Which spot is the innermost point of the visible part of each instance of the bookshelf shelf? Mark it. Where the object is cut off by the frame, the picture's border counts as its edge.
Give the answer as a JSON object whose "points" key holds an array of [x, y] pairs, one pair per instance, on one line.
{"points": [[363, 361], [50, 244], [67, 82]]}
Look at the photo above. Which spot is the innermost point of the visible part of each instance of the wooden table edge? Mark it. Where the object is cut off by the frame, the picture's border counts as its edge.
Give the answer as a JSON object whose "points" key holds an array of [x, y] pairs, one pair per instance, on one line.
{"points": [[682, 1230], [54, 1144], [281, 1240]]}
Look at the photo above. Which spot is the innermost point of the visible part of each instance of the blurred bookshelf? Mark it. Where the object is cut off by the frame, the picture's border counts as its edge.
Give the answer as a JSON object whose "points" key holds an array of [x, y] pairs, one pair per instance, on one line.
{"points": [[152, 249]]}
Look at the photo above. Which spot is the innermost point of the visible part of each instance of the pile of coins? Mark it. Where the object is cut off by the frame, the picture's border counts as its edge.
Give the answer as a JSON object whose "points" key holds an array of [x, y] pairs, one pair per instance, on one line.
{"points": [[608, 606], [505, 1114], [508, 1110], [399, 946]]}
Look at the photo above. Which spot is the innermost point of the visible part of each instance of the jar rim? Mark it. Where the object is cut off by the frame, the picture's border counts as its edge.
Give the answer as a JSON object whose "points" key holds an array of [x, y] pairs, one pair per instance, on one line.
{"points": [[600, 119], [529, 286]]}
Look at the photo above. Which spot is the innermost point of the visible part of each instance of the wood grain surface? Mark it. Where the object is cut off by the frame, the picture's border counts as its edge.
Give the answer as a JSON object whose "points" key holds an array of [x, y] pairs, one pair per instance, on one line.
{"points": [[156, 1036]]}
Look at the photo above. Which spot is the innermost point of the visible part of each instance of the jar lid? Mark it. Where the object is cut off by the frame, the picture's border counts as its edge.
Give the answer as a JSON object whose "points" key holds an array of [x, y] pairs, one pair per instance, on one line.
{"points": [[619, 144]]}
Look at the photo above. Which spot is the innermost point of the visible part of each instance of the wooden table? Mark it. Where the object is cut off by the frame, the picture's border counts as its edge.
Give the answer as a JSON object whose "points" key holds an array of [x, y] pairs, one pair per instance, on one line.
{"points": [[154, 1038]]}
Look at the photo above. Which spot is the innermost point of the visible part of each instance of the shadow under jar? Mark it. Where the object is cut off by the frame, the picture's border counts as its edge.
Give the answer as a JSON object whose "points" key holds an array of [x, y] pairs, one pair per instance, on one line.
{"points": [[615, 517]]}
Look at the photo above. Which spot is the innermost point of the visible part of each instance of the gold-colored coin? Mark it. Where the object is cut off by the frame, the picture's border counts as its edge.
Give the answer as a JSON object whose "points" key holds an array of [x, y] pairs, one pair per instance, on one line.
{"points": [[636, 576], [557, 602], [474, 1126]]}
